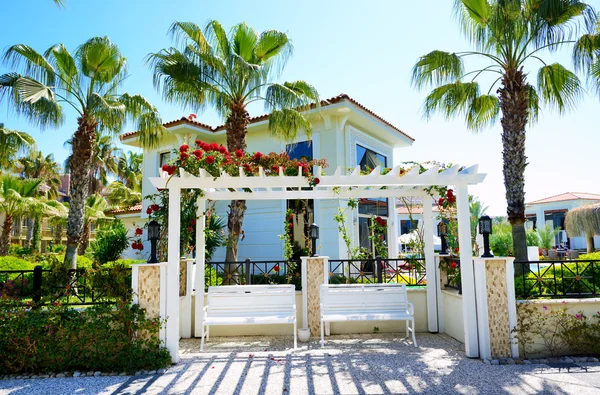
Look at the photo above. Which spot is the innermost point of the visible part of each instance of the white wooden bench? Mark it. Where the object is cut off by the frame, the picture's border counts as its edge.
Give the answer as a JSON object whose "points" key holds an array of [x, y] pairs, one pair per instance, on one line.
{"points": [[249, 305], [366, 302]]}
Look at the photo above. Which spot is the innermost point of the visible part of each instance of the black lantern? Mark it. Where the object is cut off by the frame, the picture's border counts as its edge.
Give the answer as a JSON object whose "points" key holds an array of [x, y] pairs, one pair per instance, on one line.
{"points": [[485, 229], [442, 234], [314, 235], [153, 236]]}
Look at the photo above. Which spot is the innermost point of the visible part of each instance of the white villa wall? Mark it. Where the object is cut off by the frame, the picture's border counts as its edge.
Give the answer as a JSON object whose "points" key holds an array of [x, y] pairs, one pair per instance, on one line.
{"points": [[131, 221], [453, 315]]}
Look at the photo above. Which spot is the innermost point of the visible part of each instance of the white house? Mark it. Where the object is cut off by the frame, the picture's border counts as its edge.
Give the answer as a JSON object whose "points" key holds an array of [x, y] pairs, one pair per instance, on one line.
{"points": [[552, 210], [344, 132]]}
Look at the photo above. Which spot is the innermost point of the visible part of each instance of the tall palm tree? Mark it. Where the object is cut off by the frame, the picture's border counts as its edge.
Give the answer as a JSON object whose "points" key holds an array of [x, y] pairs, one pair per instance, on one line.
{"points": [[120, 196], [130, 170], [89, 81], [17, 198], [105, 162], [228, 72], [95, 207], [508, 35], [13, 142], [36, 165]]}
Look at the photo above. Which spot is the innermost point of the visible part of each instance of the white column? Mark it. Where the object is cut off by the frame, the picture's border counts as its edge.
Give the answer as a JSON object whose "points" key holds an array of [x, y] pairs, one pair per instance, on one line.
{"points": [[304, 275], [466, 271], [430, 267], [172, 327], [392, 233], [200, 262]]}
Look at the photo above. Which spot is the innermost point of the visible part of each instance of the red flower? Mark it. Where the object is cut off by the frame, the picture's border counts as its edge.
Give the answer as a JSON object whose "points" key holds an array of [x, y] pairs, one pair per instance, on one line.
{"points": [[194, 221], [199, 143], [380, 221], [171, 169], [450, 193], [456, 249], [440, 201], [198, 153], [139, 232], [451, 199], [291, 225], [317, 181], [257, 156], [276, 268], [210, 159], [155, 207], [239, 153], [140, 246], [222, 150], [453, 265], [247, 167], [165, 167], [149, 210], [190, 229], [213, 147], [183, 156], [183, 148], [275, 168]]}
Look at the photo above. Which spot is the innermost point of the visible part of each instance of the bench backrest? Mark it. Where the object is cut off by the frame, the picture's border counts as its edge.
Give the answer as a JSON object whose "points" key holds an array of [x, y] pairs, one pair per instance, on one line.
{"points": [[244, 300], [357, 298]]}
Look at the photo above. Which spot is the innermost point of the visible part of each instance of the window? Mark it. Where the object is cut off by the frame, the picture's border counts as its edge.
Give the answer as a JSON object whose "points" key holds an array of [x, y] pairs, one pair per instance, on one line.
{"points": [[164, 158], [367, 160], [300, 150], [406, 226]]}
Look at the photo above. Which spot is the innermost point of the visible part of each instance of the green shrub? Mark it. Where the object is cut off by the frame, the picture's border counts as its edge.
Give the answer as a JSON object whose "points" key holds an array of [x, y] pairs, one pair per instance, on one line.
{"points": [[99, 338], [591, 256], [501, 244], [124, 262], [14, 263], [59, 249], [559, 279], [110, 243], [17, 250], [533, 239]]}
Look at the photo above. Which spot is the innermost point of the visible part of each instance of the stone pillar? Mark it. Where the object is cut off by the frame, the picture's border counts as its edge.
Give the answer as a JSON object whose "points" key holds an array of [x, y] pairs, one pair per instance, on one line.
{"points": [[149, 285], [496, 307], [315, 271]]}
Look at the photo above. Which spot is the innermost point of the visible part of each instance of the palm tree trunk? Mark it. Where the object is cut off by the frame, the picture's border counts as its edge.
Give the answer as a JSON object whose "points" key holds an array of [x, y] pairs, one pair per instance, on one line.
{"points": [[237, 128], [84, 141], [589, 241], [36, 240], [514, 100], [85, 239], [5, 237]]}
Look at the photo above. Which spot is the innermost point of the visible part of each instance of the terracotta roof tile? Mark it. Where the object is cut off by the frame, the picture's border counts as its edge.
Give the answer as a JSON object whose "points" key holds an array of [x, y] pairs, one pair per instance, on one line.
{"points": [[567, 196], [130, 210], [264, 117]]}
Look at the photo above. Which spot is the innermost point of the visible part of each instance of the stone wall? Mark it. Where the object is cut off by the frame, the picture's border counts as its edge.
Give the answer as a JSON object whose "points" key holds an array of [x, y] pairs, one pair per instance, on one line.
{"points": [[149, 290]]}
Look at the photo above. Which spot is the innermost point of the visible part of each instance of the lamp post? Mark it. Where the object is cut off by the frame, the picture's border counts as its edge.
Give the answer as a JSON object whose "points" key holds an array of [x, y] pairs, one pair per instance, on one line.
{"points": [[314, 235], [153, 236], [442, 233], [485, 229]]}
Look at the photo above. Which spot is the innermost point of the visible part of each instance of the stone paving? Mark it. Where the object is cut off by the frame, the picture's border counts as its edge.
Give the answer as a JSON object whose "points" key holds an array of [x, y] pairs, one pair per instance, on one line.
{"points": [[349, 364]]}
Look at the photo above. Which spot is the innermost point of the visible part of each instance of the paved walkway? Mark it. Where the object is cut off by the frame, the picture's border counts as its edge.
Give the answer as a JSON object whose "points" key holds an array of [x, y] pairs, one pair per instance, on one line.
{"points": [[352, 364]]}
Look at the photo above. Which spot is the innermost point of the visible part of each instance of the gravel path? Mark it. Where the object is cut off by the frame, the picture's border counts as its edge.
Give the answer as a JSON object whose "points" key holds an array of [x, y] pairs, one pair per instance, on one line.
{"points": [[349, 364]]}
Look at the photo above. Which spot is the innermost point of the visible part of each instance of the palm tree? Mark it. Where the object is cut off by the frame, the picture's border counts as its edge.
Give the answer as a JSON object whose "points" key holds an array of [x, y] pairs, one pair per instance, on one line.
{"points": [[95, 207], [46, 209], [229, 72], [17, 198], [13, 142], [36, 165], [120, 196], [89, 81], [104, 162], [508, 35], [130, 170]]}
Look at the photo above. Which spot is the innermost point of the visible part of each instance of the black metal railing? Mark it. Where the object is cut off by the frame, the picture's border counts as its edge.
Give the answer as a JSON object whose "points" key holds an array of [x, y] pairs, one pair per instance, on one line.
{"points": [[409, 271], [76, 287], [452, 266], [557, 279], [250, 272]]}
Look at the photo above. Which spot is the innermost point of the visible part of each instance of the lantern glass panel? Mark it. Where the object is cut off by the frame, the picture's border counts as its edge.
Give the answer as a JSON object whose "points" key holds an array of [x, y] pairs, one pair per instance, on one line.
{"points": [[314, 231], [153, 230], [485, 225]]}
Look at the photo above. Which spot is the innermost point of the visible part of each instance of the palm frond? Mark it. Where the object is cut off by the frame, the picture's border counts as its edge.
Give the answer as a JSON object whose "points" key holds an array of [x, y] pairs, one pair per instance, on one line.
{"points": [[437, 68], [286, 123], [146, 117], [556, 21], [533, 104], [559, 87], [585, 50], [298, 95], [244, 41], [30, 62], [451, 99], [184, 31], [101, 60], [474, 17], [217, 36], [273, 49], [483, 112], [109, 112], [64, 64]]}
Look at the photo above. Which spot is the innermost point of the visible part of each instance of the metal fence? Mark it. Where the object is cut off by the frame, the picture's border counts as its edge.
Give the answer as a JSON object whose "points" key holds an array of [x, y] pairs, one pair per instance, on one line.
{"points": [[557, 279], [76, 287], [409, 271], [250, 272]]}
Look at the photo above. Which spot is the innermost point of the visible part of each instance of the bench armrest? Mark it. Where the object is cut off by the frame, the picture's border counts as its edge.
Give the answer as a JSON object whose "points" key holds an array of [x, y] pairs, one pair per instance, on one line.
{"points": [[411, 309]]}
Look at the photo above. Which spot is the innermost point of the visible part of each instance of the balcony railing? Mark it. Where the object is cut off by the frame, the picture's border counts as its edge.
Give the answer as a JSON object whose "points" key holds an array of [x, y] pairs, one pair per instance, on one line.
{"points": [[409, 271]]}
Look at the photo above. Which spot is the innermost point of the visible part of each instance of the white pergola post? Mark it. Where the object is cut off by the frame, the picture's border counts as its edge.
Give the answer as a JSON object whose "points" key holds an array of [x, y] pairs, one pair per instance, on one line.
{"points": [[432, 313], [466, 271], [392, 231], [200, 262], [172, 326]]}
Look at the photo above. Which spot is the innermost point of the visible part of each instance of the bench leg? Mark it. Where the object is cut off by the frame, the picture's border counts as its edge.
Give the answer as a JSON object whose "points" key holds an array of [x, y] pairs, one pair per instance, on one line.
{"points": [[207, 333], [413, 332], [295, 335], [406, 322], [322, 333]]}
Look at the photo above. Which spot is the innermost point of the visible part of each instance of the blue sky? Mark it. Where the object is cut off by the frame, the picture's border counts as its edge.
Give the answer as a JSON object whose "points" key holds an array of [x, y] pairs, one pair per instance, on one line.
{"points": [[364, 49]]}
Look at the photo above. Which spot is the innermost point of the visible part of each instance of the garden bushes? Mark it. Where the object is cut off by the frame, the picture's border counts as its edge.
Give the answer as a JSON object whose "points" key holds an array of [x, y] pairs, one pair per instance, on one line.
{"points": [[98, 338]]}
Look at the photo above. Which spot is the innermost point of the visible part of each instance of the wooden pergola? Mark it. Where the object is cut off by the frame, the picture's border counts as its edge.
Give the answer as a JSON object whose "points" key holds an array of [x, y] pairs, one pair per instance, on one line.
{"points": [[339, 185]]}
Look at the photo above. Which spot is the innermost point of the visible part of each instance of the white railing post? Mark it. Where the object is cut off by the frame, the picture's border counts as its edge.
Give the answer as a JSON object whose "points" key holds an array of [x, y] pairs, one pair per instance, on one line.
{"points": [[200, 263], [430, 267], [172, 288]]}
